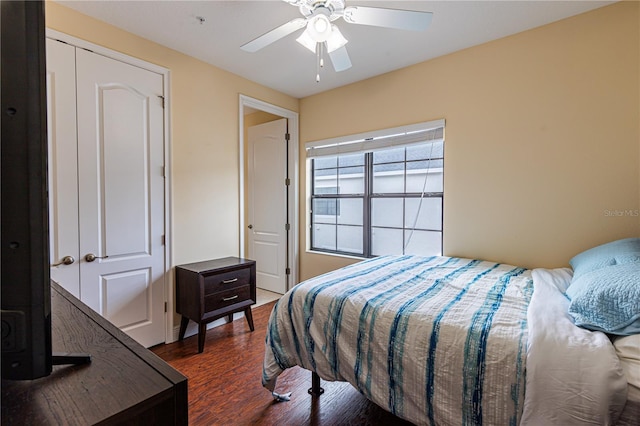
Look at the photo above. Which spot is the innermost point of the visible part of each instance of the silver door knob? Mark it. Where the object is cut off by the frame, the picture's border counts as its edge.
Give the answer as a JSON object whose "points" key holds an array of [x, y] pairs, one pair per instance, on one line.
{"points": [[67, 260], [250, 226], [91, 257]]}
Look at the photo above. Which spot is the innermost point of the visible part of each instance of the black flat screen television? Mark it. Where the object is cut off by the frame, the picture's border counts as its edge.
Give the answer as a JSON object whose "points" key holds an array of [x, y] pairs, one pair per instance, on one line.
{"points": [[26, 302]]}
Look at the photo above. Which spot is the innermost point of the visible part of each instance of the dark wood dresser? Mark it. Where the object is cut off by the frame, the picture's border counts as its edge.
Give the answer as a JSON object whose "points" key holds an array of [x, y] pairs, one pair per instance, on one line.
{"points": [[209, 290], [124, 384]]}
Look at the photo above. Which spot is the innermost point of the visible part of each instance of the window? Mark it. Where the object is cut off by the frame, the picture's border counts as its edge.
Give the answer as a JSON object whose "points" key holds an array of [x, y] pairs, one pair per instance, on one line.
{"points": [[379, 194]]}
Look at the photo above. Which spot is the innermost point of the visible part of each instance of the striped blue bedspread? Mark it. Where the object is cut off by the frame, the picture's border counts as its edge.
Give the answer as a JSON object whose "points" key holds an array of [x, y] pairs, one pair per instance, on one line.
{"points": [[434, 340]]}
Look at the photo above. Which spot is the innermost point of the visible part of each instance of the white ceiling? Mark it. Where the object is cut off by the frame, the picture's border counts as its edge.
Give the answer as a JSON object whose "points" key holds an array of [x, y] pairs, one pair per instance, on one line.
{"points": [[288, 67]]}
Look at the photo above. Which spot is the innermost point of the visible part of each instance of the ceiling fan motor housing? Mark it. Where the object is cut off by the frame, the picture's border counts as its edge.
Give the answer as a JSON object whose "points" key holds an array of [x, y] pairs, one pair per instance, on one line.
{"points": [[332, 9]]}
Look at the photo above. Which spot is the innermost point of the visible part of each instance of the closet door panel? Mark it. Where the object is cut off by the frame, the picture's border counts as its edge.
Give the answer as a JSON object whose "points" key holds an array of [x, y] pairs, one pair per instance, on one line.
{"points": [[63, 164], [121, 194], [123, 166]]}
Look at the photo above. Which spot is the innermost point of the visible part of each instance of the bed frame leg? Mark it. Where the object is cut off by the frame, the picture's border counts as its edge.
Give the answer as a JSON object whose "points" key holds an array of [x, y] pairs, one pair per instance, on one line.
{"points": [[315, 388]]}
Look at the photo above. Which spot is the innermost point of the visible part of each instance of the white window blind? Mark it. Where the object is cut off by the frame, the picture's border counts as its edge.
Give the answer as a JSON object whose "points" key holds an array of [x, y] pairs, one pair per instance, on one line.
{"points": [[431, 131]]}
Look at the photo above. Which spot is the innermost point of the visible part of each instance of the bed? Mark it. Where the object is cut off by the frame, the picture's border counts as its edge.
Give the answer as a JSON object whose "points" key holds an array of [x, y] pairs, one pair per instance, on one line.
{"points": [[445, 340]]}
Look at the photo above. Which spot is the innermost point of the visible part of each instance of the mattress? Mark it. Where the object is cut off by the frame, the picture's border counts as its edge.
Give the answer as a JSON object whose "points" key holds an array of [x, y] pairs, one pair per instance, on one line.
{"points": [[432, 340], [450, 341]]}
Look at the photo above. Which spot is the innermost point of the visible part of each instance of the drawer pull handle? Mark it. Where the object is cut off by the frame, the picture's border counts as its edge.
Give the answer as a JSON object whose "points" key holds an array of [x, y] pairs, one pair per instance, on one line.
{"points": [[233, 280], [226, 299]]}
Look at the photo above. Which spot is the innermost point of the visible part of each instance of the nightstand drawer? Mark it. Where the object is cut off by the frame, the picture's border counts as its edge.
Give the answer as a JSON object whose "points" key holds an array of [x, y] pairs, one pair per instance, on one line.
{"points": [[222, 299], [227, 280]]}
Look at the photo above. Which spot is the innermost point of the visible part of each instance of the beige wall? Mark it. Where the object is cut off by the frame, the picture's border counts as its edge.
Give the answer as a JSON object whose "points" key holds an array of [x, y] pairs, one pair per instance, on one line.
{"points": [[542, 137], [204, 135]]}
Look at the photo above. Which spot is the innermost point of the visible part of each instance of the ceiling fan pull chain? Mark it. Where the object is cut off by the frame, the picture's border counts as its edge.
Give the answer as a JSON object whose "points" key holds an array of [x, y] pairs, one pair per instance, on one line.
{"points": [[318, 62]]}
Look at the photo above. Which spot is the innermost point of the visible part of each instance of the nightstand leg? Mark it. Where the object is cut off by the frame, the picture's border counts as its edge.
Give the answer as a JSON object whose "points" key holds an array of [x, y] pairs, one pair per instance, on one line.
{"points": [[183, 327], [249, 315], [202, 332]]}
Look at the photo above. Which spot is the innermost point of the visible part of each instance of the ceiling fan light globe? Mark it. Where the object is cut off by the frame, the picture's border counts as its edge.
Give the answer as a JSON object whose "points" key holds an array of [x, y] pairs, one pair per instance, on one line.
{"points": [[306, 40], [319, 28], [336, 40], [320, 25]]}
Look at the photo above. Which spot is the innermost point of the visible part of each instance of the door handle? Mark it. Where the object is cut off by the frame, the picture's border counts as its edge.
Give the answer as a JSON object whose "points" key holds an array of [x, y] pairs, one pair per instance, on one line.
{"points": [[67, 260], [91, 257], [250, 226]]}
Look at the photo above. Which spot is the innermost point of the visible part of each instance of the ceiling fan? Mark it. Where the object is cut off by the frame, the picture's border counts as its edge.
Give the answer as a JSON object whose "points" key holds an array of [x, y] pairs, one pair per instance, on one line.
{"points": [[322, 35]]}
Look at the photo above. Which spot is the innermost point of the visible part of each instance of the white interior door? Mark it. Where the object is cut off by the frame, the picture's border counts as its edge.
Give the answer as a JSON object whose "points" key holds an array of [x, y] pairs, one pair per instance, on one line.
{"points": [[120, 193], [267, 203]]}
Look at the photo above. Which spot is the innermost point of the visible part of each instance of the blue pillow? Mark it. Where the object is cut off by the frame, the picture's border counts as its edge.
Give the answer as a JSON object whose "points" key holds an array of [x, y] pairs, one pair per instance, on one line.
{"points": [[605, 289], [614, 253]]}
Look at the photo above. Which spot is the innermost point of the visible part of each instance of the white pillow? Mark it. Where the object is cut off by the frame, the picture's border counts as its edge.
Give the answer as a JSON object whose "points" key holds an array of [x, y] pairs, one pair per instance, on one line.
{"points": [[628, 350]]}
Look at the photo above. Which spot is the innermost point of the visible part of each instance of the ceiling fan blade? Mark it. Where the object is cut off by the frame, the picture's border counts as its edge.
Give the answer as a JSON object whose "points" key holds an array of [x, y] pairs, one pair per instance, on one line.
{"points": [[340, 59], [390, 18], [274, 35]]}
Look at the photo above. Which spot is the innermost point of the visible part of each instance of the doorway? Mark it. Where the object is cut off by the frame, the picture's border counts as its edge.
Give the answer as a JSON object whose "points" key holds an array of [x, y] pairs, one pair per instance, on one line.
{"points": [[248, 107]]}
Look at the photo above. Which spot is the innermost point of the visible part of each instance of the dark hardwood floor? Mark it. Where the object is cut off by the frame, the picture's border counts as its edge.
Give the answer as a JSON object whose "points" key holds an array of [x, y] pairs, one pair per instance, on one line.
{"points": [[225, 387]]}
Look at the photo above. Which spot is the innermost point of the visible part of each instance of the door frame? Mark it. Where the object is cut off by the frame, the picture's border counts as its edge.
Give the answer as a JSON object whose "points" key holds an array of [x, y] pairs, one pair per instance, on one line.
{"points": [[246, 103], [169, 284]]}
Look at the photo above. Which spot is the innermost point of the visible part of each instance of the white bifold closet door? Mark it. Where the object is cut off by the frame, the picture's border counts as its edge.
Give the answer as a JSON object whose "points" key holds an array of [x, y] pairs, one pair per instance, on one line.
{"points": [[106, 187]]}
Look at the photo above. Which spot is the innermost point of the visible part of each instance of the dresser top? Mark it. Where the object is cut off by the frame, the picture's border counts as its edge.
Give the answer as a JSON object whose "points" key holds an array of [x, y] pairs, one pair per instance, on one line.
{"points": [[225, 262], [122, 379]]}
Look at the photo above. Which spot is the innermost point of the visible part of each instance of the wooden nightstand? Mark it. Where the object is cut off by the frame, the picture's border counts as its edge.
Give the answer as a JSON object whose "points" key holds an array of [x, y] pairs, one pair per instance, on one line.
{"points": [[206, 291]]}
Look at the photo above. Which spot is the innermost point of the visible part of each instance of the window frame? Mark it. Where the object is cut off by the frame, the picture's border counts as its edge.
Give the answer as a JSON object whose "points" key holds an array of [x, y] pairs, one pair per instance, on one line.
{"points": [[368, 196], [337, 197]]}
